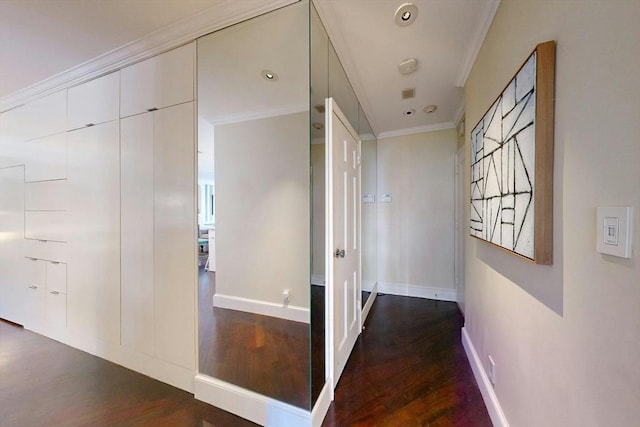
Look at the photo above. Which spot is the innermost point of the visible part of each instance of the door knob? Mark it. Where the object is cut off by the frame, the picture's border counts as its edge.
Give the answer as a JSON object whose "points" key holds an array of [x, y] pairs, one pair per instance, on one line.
{"points": [[340, 253]]}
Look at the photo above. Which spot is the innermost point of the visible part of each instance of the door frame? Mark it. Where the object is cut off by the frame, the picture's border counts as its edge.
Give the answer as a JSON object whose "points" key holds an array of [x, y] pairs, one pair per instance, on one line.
{"points": [[331, 106]]}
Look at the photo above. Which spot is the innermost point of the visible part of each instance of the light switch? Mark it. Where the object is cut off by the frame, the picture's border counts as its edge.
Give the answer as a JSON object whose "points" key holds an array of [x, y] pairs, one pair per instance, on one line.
{"points": [[385, 198], [614, 225], [368, 198]]}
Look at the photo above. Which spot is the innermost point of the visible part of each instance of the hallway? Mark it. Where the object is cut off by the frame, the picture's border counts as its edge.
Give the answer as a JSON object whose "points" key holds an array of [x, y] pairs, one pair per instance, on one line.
{"points": [[408, 368]]}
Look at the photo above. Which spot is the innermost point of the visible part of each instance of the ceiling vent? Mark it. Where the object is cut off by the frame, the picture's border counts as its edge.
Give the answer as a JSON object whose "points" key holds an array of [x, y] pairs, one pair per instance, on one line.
{"points": [[409, 93]]}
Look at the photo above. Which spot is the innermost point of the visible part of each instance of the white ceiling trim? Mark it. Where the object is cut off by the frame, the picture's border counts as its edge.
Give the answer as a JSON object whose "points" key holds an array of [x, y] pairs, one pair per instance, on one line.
{"points": [[340, 45], [477, 40], [417, 129], [260, 114], [222, 15]]}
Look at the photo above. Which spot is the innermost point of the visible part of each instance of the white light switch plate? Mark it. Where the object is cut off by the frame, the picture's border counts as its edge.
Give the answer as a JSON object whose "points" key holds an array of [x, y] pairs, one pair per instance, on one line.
{"points": [[385, 198], [613, 231]]}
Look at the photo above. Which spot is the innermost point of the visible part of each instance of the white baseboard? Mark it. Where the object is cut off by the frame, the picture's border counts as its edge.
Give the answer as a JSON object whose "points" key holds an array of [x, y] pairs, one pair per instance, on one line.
{"points": [[250, 405], [297, 314], [150, 366], [367, 306], [407, 290], [486, 388], [321, 407]]}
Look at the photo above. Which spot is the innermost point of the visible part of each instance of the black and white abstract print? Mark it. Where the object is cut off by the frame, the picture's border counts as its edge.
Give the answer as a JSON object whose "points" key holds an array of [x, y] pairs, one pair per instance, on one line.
{"points": [[503, 164]]}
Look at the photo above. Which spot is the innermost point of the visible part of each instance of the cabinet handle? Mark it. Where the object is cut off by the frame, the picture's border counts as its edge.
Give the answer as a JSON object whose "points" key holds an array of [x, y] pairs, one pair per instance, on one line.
{"points": [[33, 287], [152, 109], [42, 241], [54, 262], [55, 292], [90, 124], [33, 259]]}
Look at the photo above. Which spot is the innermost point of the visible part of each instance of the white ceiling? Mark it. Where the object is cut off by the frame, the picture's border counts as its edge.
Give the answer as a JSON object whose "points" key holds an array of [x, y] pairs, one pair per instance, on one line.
{"points": [[41, 38]]}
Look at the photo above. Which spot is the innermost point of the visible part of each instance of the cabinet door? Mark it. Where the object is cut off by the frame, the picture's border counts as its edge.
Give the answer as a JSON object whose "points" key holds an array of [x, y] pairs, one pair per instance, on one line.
{"points": [[46, 195], [36, 294], [158, 82], [46, 116], [94, 102], [46, 225], [12, 136], [56, 276], [175, 234], [56, 327], [93, 272], [12, 291], [46, 158], [136, 151]]}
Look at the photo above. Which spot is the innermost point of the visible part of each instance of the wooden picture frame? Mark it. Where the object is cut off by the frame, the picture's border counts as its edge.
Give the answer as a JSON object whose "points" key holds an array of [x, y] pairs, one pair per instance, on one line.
{"points": [[512, 163]]}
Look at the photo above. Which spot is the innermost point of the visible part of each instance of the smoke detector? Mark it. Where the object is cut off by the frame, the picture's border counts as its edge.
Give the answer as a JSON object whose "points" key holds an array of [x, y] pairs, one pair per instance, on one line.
{"points": [[408, 66], [406, 14]]}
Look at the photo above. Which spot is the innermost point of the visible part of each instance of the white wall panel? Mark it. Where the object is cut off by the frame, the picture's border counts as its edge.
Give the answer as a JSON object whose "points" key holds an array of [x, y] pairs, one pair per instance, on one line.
{"points": [[174, 235], [94, 102], [12, 129], [137, 236], [158, 82]]}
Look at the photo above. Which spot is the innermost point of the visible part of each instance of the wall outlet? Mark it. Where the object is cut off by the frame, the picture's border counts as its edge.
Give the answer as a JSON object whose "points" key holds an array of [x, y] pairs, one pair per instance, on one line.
{"points": [[492, 371], [285, 297]]}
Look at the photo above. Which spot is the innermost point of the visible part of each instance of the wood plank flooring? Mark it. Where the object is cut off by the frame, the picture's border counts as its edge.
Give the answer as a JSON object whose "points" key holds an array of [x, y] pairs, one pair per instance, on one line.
{"points": [[408, 369]]}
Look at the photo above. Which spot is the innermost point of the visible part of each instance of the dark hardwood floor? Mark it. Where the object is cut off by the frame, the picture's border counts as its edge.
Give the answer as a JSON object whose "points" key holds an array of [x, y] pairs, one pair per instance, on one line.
{"points": [[409, 368], [45, 383]]}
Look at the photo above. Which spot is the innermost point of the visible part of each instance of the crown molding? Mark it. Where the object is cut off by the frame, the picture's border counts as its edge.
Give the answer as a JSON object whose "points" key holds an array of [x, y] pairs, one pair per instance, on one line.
{"points": [[223, 14], [485, 20], [415, 130]]}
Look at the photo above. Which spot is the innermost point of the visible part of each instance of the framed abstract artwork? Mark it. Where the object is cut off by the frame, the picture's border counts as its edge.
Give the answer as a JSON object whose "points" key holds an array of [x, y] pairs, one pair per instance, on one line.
{"points": [[512, 163]]}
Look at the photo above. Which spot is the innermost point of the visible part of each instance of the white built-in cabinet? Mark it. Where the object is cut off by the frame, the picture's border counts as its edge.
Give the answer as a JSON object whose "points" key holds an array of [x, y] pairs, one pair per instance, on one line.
{"points": [[94, 232], [94, 102], [158, 82], [12, 294], [158, 227], [97, 216]]}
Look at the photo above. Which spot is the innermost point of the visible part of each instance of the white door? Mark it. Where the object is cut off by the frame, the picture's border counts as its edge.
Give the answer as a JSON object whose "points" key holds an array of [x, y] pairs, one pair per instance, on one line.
{"points": [[343, 239]]}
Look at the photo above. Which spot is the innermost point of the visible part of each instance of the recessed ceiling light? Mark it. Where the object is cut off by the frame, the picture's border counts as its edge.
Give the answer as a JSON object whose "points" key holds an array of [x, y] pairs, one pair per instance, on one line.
{"points": [[408, 66], [409, 112], [269, 75], [430, 109], [406, 14], [317, 125]]}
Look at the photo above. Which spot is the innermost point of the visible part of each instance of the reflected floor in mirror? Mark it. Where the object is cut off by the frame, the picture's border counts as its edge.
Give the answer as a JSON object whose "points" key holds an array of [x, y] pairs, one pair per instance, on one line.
{"points": [[264, 354]]}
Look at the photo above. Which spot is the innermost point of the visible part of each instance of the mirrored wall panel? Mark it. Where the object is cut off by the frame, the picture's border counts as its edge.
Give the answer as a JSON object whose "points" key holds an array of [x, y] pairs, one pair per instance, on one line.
{"points": [[254, 209]]}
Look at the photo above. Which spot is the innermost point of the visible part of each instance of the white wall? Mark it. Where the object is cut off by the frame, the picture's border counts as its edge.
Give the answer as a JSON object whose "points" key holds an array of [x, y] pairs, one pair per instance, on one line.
{"points": [[565, 337], [262, 209], [415, 244]]}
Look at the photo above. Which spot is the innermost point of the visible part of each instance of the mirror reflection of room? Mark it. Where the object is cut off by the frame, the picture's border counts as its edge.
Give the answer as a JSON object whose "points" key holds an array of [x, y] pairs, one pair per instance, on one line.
{"points": [[253, 183]]}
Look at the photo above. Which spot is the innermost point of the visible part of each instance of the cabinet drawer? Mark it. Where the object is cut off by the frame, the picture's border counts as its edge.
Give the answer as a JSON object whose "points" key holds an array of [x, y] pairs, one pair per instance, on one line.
{"points": [[46, 225], [36, 307], [158, 82], [56, 277], [46, 195], [56, 315], [96, 101], [46, 158], [46, 250]]}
